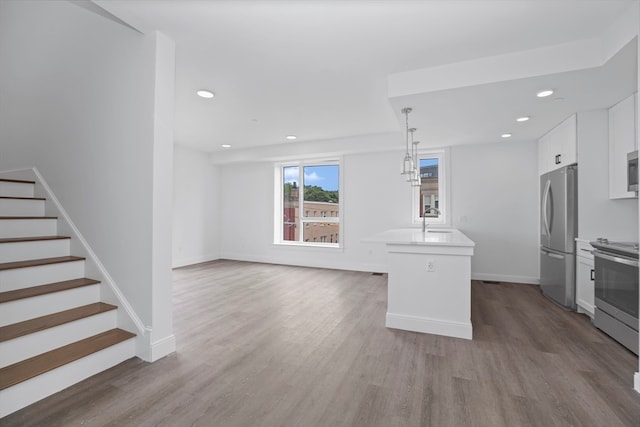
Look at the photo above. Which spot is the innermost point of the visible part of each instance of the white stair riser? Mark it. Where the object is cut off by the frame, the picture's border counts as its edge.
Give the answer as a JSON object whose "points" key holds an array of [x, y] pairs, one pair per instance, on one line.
{"points": [[21, 207], [31, 345], [30, 308], [22, 251], [28, 227], [19, 278], [16, 189], [30, 391]]}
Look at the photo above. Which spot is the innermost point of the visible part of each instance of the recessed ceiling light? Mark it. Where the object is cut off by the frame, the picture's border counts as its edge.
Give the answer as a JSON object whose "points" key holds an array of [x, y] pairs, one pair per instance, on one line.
{"points": [[523, 119], [506, 135], [544, 93], [225, 146], [204, 93], [291, 137]]}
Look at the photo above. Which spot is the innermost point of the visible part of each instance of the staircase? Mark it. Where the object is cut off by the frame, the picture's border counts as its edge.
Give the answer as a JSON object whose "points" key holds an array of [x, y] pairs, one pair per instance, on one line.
{"points": [[54, 331]]}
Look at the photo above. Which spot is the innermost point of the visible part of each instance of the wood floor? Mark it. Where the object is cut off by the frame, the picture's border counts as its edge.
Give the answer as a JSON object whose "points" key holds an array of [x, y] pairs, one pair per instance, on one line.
{"points": [[269, 345]]}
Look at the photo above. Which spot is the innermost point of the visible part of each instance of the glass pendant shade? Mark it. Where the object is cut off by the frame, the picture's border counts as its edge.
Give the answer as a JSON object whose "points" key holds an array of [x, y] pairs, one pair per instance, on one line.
{"points": [[417, 182], [413, 176], [407, 165]]}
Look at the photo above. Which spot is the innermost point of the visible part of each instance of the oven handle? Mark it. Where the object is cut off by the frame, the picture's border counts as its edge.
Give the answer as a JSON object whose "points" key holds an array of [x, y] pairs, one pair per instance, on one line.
{"points": [[621, 260]]}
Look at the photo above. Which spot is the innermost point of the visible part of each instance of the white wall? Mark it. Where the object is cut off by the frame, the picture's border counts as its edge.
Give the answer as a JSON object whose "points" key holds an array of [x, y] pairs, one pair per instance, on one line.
{"points": [[196, 210], [372, 195], [377, 198], [599, 216], [78, 102], [495, 203]]}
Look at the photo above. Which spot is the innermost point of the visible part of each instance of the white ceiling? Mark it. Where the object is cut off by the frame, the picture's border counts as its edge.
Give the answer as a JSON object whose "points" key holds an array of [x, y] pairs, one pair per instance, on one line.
{"points": [[318, 69]]}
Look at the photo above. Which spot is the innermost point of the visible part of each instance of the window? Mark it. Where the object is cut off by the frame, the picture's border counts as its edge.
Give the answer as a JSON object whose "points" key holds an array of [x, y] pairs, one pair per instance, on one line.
{"points": [[430, 199], [305, 192]]}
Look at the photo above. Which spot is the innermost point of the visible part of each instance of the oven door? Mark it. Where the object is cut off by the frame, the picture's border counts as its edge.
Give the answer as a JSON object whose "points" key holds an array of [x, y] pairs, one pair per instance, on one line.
{"points": [[616, 285]]}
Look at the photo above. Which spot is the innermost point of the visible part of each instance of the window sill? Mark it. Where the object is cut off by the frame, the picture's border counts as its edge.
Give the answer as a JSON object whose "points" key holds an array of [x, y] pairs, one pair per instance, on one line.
{"points": [[309, 245]]}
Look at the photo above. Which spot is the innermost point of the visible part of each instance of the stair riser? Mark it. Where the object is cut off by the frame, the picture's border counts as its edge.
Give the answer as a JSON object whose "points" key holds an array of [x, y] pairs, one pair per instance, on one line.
{"points": [[20, 207], [16, 189], [31, 345], [30, 308], [20, 278], [28, 227], [30, 391], [22, 251]]}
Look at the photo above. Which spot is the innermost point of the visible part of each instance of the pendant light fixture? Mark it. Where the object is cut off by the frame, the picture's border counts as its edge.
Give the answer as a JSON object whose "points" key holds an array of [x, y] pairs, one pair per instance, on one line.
{"points": [[407, 163], [412, 175], [416, 181]]}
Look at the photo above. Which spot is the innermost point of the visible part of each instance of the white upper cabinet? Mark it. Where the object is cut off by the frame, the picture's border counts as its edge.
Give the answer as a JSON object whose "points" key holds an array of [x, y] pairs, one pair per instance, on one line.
{"points": [[622, 140], [558, 147]]}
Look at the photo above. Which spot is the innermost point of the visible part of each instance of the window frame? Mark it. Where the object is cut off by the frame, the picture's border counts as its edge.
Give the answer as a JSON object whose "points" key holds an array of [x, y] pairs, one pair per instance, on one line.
{"points": [[304, 220], [444, 180]]}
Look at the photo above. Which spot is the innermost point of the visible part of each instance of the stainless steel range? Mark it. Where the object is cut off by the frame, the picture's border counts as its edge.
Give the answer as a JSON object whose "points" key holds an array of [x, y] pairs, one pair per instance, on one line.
{"points": [[616, 290]]}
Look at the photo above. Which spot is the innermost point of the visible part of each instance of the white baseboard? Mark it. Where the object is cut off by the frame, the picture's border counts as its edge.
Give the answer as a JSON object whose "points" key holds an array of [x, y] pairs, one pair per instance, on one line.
{"points": [[183, 262], [529, 280], [430, 326], [371, 267], [158, 349], [636, 381]]}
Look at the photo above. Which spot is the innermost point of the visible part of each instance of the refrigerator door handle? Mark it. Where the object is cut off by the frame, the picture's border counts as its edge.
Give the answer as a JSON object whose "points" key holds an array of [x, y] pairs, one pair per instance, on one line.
{"points": [[551, 254], [545, 201], [556, 256]]}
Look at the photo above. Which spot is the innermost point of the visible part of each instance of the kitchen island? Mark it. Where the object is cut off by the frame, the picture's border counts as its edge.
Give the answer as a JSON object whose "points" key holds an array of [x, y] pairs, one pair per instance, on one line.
{"points": [[429, 288]]}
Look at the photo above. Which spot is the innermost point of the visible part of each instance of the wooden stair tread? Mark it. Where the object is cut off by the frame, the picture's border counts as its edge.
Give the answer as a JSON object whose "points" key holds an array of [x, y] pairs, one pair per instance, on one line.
{"points": [[22, 198], [32, 239], [38, 262], [28, 217], [30, 326], [49, 288], [21, 181], [45, 362]]}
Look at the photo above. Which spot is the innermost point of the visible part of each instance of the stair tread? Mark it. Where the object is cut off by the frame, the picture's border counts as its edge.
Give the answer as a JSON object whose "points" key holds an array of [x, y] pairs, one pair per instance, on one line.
{"points": [[45, 362], [32, 239], [21, 181], [22, 198], [48, 288], [28, 217], [38, 262], [30, 326]]}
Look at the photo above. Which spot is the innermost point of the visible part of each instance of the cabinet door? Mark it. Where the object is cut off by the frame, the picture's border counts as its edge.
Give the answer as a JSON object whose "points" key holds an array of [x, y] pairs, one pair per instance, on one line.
{"points": [[557, 148], [544, 156], [563, 143], [570, 140], [585, 285], [622, 140]]}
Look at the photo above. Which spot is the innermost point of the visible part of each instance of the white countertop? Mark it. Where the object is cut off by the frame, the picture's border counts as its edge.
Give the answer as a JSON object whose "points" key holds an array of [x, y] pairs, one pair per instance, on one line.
{"points": [[415, 236]]}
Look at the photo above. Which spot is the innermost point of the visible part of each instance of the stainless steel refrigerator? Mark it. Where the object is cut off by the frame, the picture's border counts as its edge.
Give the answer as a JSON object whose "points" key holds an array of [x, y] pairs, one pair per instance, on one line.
{"points": [[558, 230]]}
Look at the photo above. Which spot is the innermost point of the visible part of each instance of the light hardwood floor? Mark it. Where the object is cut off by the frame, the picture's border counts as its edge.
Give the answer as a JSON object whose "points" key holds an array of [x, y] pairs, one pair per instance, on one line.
{"points": [[271, 345]]}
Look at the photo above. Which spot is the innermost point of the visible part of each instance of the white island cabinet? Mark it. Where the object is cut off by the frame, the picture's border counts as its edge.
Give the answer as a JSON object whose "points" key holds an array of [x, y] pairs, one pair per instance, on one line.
{"points": [[429, 287]]}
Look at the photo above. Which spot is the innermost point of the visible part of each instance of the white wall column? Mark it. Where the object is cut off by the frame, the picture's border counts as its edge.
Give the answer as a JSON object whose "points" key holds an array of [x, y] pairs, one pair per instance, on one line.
{"points": [[162, 338]]}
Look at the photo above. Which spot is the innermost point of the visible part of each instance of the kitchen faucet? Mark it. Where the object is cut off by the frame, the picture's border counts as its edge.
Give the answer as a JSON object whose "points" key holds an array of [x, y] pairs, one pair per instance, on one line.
{"points": [[424, 217]]}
